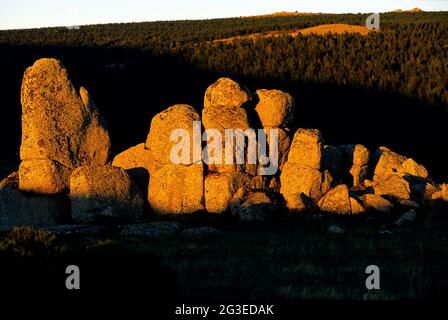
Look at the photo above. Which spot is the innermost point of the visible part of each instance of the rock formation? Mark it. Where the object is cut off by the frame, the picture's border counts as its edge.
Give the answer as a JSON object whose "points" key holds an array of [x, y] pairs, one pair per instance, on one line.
{"points": [[65, 167]]}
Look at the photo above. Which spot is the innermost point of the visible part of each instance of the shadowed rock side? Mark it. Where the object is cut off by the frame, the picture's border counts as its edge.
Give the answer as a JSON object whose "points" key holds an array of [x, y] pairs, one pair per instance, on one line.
{"points": [[104, 192], [65, 172]]}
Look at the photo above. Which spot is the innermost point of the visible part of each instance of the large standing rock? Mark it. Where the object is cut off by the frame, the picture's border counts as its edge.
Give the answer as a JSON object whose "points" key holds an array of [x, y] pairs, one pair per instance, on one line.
{"points": [[307, 148], [336, 200], [177, 189], [275, 108], [18, 208], [60, 123], [301, 178], [43, 177], [226, 93], [104, 191], [394, 186], [297, 181], [220, 189], [180, 116], [360, 160]]}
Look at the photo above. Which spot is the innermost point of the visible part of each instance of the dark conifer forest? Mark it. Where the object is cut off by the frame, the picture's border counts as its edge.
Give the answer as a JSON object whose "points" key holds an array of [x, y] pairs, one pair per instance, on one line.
{"points": [[387, 88]]}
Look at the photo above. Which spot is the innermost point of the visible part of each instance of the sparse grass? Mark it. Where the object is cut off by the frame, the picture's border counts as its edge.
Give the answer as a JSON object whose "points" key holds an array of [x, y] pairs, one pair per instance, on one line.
{"points": [[26, 242], [292, 258]]}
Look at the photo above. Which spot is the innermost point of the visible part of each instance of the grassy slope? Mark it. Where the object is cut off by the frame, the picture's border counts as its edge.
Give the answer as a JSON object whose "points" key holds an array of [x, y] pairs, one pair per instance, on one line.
{"points": [[324, 29]]}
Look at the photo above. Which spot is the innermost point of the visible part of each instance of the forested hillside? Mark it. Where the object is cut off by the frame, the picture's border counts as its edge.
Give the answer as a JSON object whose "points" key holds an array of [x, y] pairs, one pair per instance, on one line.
{"points": [[386, 88]]}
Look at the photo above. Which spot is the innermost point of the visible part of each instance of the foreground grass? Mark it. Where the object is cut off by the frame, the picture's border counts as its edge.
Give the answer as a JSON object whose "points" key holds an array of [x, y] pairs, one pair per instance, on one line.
{"points": [[286, 260]]}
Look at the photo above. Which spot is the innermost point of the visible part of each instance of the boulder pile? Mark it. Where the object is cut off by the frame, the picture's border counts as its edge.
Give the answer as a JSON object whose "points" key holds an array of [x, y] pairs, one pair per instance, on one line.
{"points": [[66, 173]]}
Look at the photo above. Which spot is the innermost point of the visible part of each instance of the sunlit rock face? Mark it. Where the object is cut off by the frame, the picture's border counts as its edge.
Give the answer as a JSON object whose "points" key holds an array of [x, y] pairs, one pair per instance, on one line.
{"points": [[225, 105], [302, 175], [177, 189], [226, 93], [174, 188], [275, 108], [177, 117], [60, 123], [336, 200]]}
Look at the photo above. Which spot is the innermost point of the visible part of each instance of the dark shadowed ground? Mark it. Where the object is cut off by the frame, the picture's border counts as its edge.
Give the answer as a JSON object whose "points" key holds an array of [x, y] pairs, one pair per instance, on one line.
{"points": [[286, 260]]}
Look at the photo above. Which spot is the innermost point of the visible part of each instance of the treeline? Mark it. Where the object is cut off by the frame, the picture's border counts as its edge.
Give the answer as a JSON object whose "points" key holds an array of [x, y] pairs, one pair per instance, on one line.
{"points": [[408, 57], [411, 60]]}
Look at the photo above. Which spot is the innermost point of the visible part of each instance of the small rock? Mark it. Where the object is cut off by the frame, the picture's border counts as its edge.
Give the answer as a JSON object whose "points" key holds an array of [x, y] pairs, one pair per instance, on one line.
{"points": [[334, 229], [394, 186], [152, 229], [376, 202], [256, 208], [201, 232], [336, 200], [409, 203], [407, 218]]}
